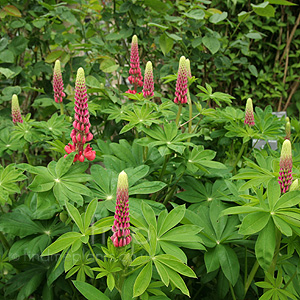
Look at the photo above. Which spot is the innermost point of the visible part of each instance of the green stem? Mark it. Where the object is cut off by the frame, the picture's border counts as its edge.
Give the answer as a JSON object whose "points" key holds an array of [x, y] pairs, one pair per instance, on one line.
{"points": [[251, 276], [190, 112], [61, 108], [232, 291], [178, 114], [26, 152], [290, 280], [239, 156], [94, 255], [163, 170], [4, 241]]}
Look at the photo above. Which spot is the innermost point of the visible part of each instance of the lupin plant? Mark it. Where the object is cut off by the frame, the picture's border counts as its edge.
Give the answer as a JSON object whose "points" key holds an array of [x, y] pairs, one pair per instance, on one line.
{"points": [[121, 236], [188, 65], [81, 132], [135, 77], [148, 88], [286, 164], [15, 110], [58, 85], [249, 115]]}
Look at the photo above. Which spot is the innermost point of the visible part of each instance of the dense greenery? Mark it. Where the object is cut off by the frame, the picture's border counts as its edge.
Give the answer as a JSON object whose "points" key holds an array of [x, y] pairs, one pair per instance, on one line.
{"points": [[200, 193]]}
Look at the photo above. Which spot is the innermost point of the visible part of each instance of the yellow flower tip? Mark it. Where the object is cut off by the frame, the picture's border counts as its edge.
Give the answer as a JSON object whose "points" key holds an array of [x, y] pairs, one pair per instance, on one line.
{"points": [[287, 119], [57, 66], [286, 150], [294, 186], [80, 75], [134, 39], [123, 180], [14, 98], [249, 104]]}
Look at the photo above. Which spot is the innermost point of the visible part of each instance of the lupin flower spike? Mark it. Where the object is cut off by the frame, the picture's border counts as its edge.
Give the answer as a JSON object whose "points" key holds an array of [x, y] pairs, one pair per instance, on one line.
{"points": [[135, 76], [286, 164], [148, 88], [181, 83], [15, 110], [121, 236], [188, 66], [249, 115], [81, 134], [58, 85]]}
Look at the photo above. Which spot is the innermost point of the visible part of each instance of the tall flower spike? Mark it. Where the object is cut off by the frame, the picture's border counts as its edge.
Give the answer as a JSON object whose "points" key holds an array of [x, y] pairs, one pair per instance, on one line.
{"points": [[135, 76], [81, 132], [286, 163], [181, 83], [148, 88], [249, 115], [58, 85], [188, 66], [15, 110], [121, 236]]}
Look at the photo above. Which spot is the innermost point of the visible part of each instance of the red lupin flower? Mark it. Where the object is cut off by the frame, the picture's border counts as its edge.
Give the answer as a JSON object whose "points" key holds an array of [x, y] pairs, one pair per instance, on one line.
{"points": [[286, 164], [121, 236], [249, 115], [58, 85], [182, 82], [81, 132], [135, 76], [148, 88], [15, 110]]}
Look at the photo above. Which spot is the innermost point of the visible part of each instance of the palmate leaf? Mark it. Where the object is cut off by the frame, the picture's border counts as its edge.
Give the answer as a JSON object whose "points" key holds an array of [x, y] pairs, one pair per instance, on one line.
{"points": [[140, 117], [167, 139], [63, 178], [9, 177], [202, 159], [196, 192]]}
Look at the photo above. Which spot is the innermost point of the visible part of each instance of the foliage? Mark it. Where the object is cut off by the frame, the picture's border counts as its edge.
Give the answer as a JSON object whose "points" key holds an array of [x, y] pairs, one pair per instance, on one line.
{"points": [[207, 217]]}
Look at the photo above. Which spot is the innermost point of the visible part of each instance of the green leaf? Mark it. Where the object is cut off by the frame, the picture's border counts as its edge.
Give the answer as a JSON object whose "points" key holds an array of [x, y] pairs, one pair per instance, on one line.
{"points": [[75, 215], [197, 14], [157, 5], [172, 262], [283, 226], [147, 187], [163, 274], [12, 11], [273, 192], [281, 2], [90, 211], [165, 43], [64, 164], [288, 200], [7, 72], [89, 291], [172, 219], [253, 70], [152, 239], [176, 279], [217, 18], [211, 43], [254, 222], [211, 260], [265, 245], [108, 66], [184, 233], [19, 224], [264, 9], [53, 56], [143, 280], [229, 263], [141, 260], [63, 242], [149, 214], [158, 25]]}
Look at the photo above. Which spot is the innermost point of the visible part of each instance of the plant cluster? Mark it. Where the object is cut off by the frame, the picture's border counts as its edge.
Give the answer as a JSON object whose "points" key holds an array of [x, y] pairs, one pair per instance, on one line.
{"points": [[139, 183]]}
